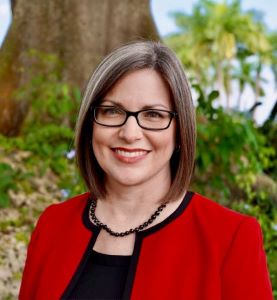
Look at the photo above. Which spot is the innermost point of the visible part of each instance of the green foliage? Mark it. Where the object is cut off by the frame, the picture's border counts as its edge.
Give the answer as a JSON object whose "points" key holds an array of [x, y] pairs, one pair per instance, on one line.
{"points": [[49, 147], [10, 177], [230, 149], [7, 176], [22, 237], [269, 129]]}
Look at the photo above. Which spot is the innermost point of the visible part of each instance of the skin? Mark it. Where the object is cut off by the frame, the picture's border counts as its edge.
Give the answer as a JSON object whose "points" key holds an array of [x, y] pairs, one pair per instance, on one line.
{"points": [[134, 184], [135, 91]]}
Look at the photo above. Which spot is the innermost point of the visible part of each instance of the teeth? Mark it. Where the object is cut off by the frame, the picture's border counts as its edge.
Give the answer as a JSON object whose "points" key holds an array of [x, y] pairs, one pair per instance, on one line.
{"points": [[130, 154]]}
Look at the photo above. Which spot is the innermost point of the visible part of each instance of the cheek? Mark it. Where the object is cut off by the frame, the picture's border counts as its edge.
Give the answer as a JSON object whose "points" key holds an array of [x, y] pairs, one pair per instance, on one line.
{"points": [[100, 135], [165, 142], [97, 141]]}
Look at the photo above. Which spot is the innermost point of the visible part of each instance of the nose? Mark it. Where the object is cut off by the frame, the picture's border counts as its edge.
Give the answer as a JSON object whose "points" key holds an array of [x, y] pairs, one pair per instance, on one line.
{"points": [[130, 131]]}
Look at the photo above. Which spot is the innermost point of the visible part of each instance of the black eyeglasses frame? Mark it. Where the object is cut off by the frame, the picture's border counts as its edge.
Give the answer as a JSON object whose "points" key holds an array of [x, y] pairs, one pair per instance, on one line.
{"points": [[173, 114]]}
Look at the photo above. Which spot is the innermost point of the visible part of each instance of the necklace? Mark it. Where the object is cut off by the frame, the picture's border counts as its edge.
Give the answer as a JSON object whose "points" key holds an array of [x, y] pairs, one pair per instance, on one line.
{"points": [[95, 220]]}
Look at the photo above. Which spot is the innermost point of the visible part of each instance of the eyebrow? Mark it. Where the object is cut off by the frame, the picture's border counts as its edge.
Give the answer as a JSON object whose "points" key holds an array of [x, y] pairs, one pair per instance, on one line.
{"points": [[144, 107]]}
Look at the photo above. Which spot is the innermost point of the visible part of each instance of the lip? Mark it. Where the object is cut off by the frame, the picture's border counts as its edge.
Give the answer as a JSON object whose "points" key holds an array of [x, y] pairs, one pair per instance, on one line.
{"points": [[119, 154], [129, 149]]}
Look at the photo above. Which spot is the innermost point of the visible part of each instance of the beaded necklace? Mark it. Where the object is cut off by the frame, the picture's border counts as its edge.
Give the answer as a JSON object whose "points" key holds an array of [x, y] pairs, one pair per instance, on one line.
{"points": [[97, 222]]}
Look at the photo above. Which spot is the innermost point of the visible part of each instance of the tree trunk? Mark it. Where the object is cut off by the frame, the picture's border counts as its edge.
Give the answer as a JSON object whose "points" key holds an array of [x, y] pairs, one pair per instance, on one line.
{"points": [[78, 32]]}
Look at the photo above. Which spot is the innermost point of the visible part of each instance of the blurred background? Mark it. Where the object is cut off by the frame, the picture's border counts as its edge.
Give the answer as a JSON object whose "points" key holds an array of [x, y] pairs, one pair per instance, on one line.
{"points": [[48, 49]]}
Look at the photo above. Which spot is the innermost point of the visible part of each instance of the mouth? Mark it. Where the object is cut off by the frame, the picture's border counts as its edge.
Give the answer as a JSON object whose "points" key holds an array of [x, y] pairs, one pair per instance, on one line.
{"points": [[130, 155]]}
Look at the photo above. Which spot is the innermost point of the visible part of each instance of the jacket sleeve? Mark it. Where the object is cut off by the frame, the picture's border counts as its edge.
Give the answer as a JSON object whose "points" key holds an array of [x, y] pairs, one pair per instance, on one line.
{"points": [[26, 289], [244, 272]]}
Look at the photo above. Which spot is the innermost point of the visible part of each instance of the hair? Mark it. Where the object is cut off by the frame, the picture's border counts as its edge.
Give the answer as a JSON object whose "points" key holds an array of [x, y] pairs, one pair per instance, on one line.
{"points": [[130, 57]]}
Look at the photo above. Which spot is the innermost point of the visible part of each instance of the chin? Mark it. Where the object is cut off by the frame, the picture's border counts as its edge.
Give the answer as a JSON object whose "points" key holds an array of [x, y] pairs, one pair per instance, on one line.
{"points": [[129, 180]]}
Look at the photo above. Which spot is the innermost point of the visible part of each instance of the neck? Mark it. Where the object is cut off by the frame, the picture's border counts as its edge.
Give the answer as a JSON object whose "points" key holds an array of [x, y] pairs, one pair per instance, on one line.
{"points": [[140, 196], [130, 205]]}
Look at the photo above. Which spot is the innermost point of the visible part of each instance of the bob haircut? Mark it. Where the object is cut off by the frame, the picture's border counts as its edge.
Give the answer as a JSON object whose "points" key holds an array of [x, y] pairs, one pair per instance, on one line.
{"points": [[130, 57]]}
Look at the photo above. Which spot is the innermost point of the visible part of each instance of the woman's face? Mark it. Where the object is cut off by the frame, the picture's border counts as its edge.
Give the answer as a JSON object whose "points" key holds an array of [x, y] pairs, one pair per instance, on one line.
{"points": [[131, 155]]}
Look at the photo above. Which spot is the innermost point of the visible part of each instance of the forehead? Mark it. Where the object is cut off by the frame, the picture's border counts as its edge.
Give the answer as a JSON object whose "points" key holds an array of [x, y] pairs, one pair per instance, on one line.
{"points": [[145, 87]]}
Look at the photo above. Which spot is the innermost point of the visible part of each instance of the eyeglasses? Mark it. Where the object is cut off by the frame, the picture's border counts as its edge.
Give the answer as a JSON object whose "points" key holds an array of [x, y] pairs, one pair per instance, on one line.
{"points": [[150, 119]]}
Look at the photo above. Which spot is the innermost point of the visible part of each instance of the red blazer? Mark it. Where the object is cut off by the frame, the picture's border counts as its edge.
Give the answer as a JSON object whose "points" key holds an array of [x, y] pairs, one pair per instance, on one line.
{"points": [[203, 251]]}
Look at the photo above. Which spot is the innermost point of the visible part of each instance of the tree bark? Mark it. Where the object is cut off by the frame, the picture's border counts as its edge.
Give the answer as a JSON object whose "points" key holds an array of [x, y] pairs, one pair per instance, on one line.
{"points": [[78, 32]]}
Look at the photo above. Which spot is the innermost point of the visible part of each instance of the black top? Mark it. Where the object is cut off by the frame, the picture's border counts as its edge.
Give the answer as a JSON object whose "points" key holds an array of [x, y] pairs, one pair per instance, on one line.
{"points": [[103, 277]]}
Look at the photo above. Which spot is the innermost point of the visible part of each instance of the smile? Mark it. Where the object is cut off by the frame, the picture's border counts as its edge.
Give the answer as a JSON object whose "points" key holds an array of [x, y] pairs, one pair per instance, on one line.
{"points": [[129, 155]]}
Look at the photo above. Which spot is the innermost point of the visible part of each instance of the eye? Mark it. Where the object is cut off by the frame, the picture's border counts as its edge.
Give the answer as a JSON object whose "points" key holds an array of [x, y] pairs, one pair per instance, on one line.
{"points": [[153, 114], [111, 111]]}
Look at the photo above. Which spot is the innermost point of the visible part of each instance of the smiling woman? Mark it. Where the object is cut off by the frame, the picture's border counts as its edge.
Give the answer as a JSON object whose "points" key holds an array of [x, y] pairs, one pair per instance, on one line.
{"points": [[138, 233]]}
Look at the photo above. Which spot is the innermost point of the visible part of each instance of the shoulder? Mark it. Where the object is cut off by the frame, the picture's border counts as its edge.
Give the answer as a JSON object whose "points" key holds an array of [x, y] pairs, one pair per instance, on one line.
{"points": [[221, 224], [210, 211]]}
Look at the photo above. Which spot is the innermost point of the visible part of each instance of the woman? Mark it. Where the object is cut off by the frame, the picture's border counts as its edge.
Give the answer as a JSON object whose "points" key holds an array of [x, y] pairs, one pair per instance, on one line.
{"points": [[138, 233]]}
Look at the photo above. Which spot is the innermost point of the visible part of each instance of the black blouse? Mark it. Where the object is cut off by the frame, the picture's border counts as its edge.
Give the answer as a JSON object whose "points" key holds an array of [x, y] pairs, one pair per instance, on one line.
{"points": [[103, 277]]}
